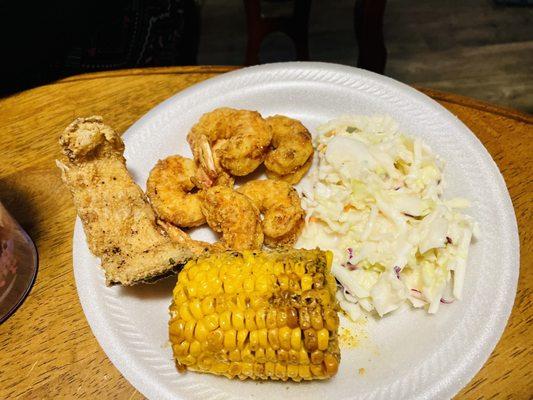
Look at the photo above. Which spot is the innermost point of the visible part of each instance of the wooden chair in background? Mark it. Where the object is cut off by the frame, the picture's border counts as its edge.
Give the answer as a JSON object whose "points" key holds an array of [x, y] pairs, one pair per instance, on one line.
{"points": [[368, 26]]}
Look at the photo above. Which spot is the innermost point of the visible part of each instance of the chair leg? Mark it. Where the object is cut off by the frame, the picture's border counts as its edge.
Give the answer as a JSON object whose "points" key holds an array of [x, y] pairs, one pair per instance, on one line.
{"points": [[294, 26], [368, 25]]}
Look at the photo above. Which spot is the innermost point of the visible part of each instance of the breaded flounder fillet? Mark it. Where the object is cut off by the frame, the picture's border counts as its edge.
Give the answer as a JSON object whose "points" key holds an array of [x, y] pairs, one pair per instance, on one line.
{"points": [[119, 223]]}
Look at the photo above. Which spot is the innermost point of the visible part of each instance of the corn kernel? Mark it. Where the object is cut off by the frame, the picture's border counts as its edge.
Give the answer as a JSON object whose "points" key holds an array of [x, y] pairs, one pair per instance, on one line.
{"points": [[249, 317], [247, 369], [234, 369], [184, 312], [181, 349], [283, 356], [225, 320], [196, 308], [259, 370], [316, 318], [188, 360], [262, 284], [220, 367], [296, 338], [281, 371], [246, 355], [260, 318], [208, 305], [211, 322], [294, 356], [304, 318], [270, 369], [273, 338], [192, 291], [279, 268], [188, 332], [281, 317], [230, 339], [200, 332], [260, 355], [248, 284], [331, 364], [284, 335], [332, 320], [271, 355], [215, 340], [271, 319], [195, 348], [304, 371], [304, 357], [176, 329], [317, 357], [310, 340], [238, 320], [316, 370], [262, 335], [306, 282], [283, 282], [242, 302], [299, 268], [242, 335], [254, 340], [234, 355], [292, 371], [323, 339]]}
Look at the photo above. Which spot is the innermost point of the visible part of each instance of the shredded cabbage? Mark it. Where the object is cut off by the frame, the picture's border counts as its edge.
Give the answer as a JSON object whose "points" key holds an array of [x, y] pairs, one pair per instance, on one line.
{"points": [[375, 201]]}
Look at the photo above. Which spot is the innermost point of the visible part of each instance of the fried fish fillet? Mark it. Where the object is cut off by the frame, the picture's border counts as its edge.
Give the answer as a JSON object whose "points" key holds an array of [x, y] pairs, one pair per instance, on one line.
{"points": [[120, 225]]}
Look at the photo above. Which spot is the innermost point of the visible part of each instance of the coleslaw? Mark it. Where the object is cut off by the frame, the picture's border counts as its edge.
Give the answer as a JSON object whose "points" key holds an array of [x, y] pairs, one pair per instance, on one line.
{"points": [[375, 201]]}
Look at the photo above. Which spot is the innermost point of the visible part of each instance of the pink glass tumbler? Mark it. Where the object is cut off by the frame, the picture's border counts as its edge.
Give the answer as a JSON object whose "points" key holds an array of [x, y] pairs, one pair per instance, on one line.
{"points": [[18, 264]]}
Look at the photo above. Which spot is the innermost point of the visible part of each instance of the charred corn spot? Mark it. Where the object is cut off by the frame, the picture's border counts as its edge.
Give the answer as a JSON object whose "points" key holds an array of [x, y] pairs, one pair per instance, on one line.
{"points": [[258, 315]]}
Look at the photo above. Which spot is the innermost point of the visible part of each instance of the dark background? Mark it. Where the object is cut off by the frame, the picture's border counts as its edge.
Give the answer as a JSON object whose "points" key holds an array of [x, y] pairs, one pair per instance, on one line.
{"points": [[478, 48]]}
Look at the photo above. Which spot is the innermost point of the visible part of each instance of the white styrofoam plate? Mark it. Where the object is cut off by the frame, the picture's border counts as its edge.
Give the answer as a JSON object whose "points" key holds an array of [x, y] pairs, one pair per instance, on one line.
{"points": [[408, 355]]}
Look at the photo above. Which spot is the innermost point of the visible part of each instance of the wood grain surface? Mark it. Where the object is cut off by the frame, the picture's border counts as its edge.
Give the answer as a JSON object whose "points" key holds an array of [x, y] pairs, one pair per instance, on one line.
{"points": [[47, 350]]}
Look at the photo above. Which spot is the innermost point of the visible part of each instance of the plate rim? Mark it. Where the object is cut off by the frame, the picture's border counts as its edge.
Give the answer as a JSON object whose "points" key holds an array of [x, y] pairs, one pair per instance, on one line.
{"points": [[467, 370]]}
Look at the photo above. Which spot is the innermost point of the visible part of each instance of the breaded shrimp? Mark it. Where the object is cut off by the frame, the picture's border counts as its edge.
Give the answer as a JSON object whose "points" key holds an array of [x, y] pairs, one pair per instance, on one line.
{"points": [[292, 148], [232, 214], [171, 192], [294, 177], [283, 216], [231, 140]]}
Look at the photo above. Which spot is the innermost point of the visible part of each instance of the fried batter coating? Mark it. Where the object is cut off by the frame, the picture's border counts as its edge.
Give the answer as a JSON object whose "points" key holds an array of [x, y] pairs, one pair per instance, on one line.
{"points": [[230, 140], [292, 178], [119, 223], [233, 214], [171, 192], [292, 148], [283, 215]]}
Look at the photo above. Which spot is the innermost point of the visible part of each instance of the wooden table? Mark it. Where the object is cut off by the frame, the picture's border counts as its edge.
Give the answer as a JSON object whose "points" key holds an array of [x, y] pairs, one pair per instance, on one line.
{"points": [[47, 349]]}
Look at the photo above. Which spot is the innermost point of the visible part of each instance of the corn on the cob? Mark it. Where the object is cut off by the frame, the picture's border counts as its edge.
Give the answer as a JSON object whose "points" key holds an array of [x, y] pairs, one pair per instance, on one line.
{"points": [[258, 315]]}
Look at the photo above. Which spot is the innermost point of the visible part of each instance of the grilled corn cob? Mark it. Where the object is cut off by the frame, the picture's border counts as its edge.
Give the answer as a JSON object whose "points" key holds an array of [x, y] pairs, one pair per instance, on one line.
{"points": [[258, 315]]}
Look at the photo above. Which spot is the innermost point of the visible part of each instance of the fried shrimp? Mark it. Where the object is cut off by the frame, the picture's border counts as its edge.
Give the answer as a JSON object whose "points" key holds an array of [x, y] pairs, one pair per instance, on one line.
{"points": [[172, 192], [292, 149], [294, 177], [230, 140], [234, 216], [283, 216]]}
